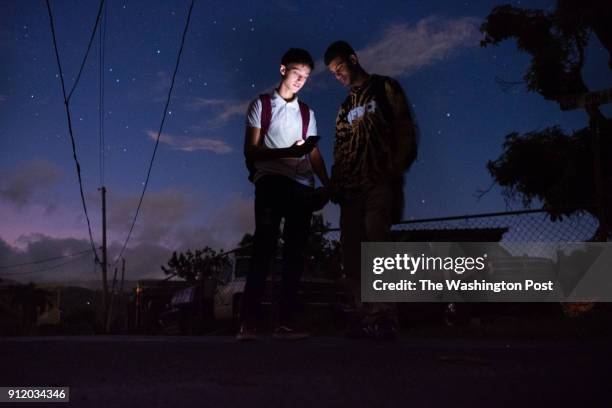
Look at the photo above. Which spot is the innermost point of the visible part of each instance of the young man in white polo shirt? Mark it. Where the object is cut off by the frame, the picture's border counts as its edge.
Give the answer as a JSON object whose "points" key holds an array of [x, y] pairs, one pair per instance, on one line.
{"points": [[283, 158]]}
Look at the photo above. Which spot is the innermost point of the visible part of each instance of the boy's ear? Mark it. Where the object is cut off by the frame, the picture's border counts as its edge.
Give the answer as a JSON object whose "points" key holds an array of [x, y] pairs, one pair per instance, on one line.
{"points": [[353, 59], [283, 70]]}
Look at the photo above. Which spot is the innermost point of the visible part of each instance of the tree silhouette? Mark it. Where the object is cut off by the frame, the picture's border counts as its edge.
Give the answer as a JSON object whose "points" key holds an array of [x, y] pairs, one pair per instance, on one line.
{"points": [[574, 16], [320, 250], [557, 59], [550, 165], [195, 266]]}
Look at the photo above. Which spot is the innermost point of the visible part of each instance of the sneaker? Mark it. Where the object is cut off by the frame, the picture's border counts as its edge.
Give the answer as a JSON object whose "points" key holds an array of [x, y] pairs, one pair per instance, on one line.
{"points": [[246, 333], [359, 326], [359, 330], [382, 329], [287, 333]]}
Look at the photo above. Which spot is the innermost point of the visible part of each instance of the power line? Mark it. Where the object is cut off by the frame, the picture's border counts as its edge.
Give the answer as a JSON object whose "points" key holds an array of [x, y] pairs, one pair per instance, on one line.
{"points": [[102, 142], [161, 126], [46, 269], [91, 38], [70, 131], [39, 261]]}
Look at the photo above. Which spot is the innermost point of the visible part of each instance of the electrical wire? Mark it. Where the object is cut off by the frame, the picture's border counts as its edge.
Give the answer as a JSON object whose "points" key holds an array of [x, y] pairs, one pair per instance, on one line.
{"points": [[39, 261], [91, 38], [46, 269], [69, 118], [161, 126], [102, 142]]}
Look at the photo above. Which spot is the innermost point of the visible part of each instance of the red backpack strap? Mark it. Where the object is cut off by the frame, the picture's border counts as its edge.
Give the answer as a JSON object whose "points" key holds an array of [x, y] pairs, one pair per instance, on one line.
{"points": [[266, 117], [305, 112], [266, 113]]}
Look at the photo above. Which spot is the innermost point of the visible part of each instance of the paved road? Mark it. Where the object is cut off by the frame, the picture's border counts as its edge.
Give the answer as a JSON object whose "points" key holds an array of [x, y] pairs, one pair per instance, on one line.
{"points": [[216, 371]]}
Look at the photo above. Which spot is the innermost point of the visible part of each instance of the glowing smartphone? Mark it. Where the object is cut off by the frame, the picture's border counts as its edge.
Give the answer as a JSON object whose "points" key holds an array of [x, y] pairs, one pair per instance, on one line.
{"points": [[313, 139]]}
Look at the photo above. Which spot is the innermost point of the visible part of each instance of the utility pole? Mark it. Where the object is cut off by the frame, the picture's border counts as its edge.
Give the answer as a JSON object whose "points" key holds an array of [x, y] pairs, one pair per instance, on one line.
{"points": [[125, 324], [122, 275], [112, 301], [104, 261]]}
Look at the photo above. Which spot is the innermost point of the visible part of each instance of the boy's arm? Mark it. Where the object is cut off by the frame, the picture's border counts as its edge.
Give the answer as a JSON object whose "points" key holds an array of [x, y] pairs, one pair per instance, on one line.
{"points": [[254, 150], [318, 166], [334, 188]]}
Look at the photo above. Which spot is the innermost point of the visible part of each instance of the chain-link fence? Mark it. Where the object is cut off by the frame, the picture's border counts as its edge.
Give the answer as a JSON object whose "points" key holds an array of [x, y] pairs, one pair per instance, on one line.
{"points": [[520, 232], [527, 232]]}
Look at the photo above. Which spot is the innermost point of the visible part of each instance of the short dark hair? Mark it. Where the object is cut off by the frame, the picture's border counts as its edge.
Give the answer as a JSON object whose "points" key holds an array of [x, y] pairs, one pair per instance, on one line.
{"points": [[338, 49], [297, 56]]}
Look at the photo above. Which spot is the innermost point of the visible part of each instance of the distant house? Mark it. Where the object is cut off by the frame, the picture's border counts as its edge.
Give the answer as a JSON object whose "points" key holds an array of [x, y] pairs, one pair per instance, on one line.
{"points": [[23, 305]]}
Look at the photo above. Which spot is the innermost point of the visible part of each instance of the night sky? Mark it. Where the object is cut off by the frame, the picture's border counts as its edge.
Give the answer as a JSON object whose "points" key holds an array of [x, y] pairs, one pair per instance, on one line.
{"points": [[199, 194]]}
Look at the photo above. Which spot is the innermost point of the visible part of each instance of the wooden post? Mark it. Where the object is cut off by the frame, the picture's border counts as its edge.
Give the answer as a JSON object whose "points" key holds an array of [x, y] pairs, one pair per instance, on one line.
{"points": [[112, 299], [104, 261], [125, 324]]}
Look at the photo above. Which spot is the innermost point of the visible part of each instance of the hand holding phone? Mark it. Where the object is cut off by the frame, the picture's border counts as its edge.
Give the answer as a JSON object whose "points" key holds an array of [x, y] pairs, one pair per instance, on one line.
{"points": [[313, 140], [302, 147]]}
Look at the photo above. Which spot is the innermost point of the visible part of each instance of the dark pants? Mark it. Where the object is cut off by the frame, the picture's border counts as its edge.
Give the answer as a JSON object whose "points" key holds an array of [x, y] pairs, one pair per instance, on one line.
{"points": [[366, 218], [277, 197]]}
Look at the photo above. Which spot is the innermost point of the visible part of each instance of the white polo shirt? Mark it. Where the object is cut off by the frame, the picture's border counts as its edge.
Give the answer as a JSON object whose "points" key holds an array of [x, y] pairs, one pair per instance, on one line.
{"points": [[285, 129]]}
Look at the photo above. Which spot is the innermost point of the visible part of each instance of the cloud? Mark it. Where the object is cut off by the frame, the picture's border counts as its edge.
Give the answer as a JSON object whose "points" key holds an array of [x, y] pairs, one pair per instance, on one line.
{"points": [[404, 48], [159, 215], [61, 218], [192, 144], [223, 109], [237, 108], [143, 260], [164, 225], [165, 219], [199, 103], [3, 98], [39, 247], [197, 237], [23, 184], [233, 219]]}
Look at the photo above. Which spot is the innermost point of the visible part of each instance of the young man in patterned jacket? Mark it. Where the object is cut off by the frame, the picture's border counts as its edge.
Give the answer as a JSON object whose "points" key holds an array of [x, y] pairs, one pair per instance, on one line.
{"points": [[375, 145]]}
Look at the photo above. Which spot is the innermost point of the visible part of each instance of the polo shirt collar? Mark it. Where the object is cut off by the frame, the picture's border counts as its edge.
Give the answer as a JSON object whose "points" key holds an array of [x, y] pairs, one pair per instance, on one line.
{"points": [[293, 103]]}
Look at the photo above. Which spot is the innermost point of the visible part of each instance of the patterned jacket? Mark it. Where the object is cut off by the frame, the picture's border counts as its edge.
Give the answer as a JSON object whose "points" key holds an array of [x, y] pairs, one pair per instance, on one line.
{"points": [[375, 137]]}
